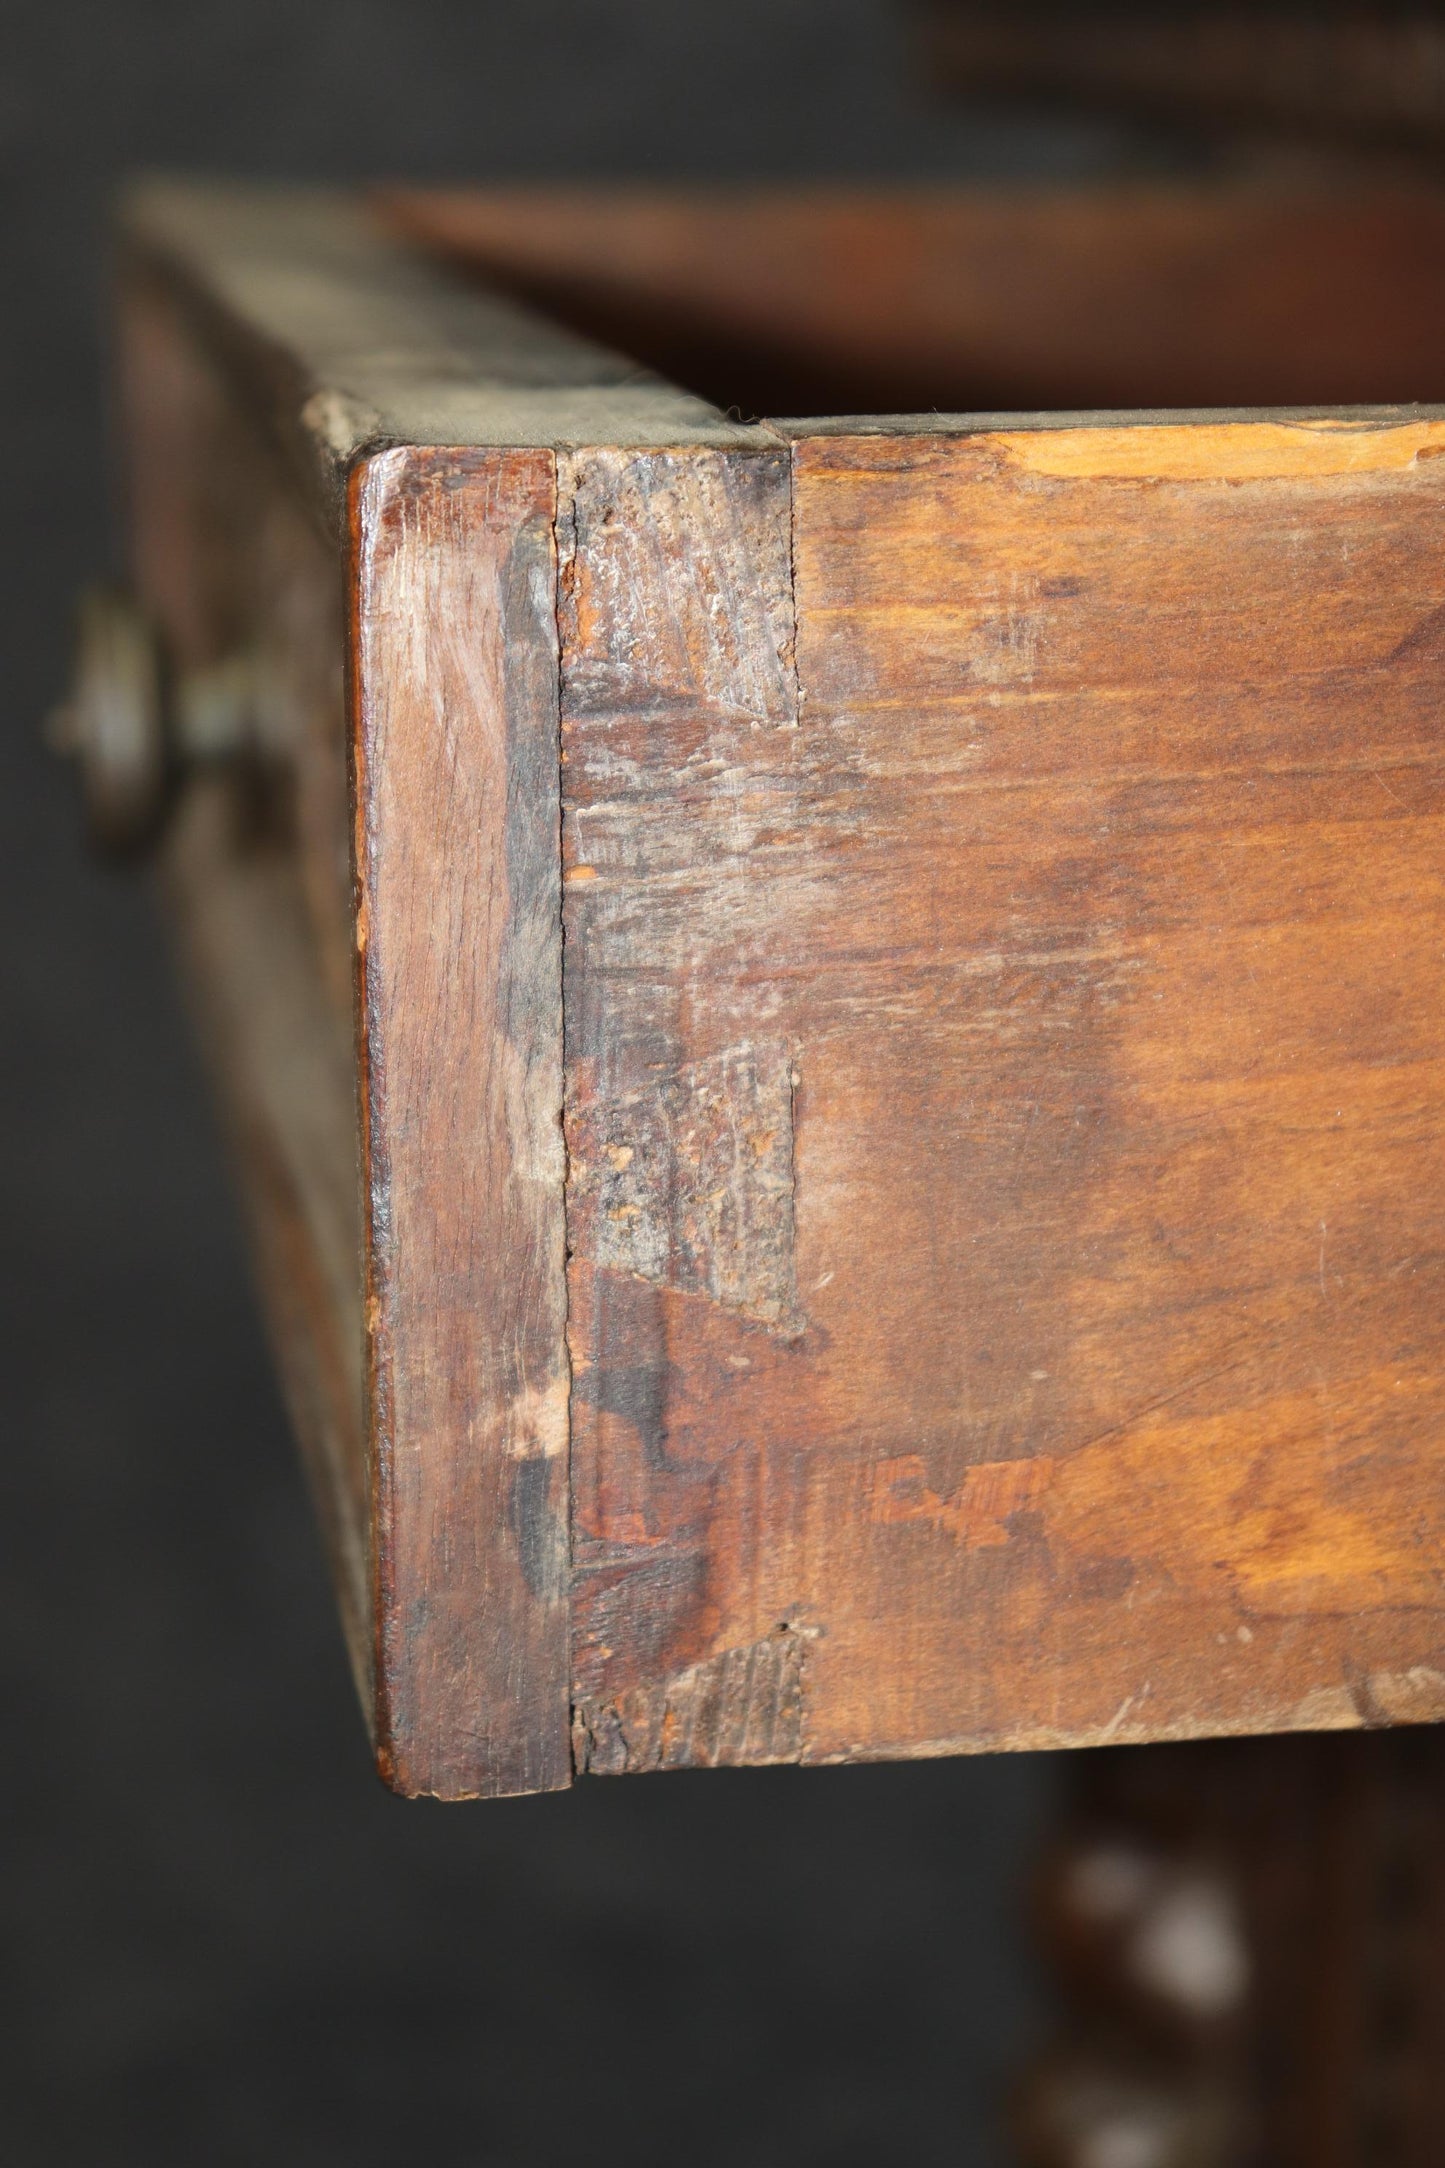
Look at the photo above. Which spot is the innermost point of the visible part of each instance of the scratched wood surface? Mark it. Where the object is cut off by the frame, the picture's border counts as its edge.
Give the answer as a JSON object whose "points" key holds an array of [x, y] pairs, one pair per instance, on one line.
{"points": [[313, 485], [1004, 1062], [946, 1253]]}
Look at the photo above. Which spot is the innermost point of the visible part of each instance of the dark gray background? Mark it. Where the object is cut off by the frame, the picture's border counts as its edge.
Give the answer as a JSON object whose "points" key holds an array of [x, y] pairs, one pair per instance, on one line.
{"points": [[221, 1941]]}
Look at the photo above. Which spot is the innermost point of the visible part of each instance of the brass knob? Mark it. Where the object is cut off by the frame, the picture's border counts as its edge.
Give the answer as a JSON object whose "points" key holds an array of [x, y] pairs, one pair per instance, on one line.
{"points": [[133, 728]]}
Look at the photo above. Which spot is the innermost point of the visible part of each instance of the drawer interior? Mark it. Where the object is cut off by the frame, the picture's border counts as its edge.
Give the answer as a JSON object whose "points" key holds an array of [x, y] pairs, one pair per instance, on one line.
{"points": [[791, 302]]}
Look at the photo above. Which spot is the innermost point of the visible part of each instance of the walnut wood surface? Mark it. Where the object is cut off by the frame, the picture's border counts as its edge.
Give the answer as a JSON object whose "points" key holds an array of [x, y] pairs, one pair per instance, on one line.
{"points": [[459, 941], [342, 465], [1028, 1336], [996, 1027], [281, 1059], [289, 379]]}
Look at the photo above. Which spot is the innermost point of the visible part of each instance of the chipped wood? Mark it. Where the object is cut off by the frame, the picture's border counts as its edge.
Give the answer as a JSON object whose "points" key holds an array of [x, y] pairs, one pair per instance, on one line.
{"points": [[742, 1705]]}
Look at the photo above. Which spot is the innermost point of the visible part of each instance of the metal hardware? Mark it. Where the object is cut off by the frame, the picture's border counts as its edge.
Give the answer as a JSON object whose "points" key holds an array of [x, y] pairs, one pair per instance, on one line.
{"points": [[133, 729]]}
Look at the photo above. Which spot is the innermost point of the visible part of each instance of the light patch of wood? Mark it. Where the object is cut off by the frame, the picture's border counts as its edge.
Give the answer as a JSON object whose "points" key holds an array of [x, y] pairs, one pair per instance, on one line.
{"points": [[689, 1182], [639, 526], [1244, 451]]}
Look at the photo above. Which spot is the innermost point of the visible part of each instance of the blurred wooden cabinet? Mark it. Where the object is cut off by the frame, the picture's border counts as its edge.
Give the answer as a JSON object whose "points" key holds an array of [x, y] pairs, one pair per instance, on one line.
{"points": [[1367, 72], [833, 1027]]}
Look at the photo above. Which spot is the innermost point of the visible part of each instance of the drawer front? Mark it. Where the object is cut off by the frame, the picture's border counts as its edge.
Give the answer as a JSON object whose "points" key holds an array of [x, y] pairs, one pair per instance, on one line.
{"points": [[255, 871], [368, 909]]}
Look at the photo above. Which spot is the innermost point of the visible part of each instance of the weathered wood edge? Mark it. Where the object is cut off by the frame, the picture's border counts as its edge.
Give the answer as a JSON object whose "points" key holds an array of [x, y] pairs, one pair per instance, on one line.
{"points": [[347, 340], [292, 290], [294, 300], [456, 778], [937, 424]]}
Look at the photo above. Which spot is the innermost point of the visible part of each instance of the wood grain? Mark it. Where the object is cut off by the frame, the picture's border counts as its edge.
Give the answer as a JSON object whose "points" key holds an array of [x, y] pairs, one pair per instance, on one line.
{"points": [[1090, 889], [339, 342], [281, 1061], [292, 382], [459, 955]]}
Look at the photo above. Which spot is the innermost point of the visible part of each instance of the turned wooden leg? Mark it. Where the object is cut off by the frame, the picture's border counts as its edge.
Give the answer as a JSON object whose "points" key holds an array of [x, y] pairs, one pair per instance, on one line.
{"points": [[1246, 1940]]}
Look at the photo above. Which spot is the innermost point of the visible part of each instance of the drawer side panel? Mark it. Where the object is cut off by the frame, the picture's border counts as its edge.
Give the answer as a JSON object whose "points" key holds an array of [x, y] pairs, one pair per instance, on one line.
{"points": [[1007, 1098]]}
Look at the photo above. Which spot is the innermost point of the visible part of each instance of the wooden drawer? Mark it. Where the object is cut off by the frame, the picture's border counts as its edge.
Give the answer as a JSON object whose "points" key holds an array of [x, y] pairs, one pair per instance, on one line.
{"points": [[833, 1028]]}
